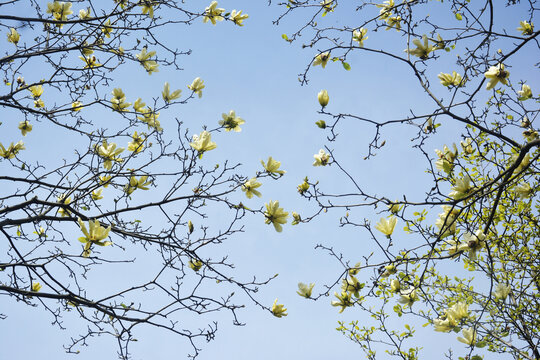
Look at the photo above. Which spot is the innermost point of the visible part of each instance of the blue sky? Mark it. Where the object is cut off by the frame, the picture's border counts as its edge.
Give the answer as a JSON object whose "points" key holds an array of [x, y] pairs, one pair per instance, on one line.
{"points": [[253, 71]]}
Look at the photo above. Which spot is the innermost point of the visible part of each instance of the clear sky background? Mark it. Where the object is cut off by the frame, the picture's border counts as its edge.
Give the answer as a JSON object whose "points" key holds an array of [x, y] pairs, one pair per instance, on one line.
{"points": [[253, 71]]}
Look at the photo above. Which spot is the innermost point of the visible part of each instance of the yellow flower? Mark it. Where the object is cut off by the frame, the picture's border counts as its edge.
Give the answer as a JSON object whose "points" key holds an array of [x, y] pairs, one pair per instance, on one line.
{"points": [[105, 180], [526, 28], [59, 11], [13, 36], [237, 17], [250, 186], [386, 226], [389, 270], [135, 184], [447, 221], [328, 6], [321, 59], [525, 93], [202, 143], [96, 194], [118, 101], [25, 127], [278, 309], [386, 9], [524, 191], [190, 226], [109, 153], [394, 207], [395, 286], [446, 158], [453, 79], [36, 286], [213, 13], [352, 286], [422, 49], [151, 119], [408, 297], [323, 98], [90, 61], [469, 336], [147, 7], [77, 106], [303, 187], [39, 103], [359, 36], [275, 215], [501, 291], [107, 29], [231, 121], [95, 235], [167, 96], [36, 90], [305, 290], [195, 264], [458, 311], [272, 166], [343, 301], [496, 74], [139, 105], [197, 85], [66, 201], [462, 188], [297, 219], [150, 66], [137, 145], [321, 159], [467, 146], [394, 21], [84, 14], [12, 150]]}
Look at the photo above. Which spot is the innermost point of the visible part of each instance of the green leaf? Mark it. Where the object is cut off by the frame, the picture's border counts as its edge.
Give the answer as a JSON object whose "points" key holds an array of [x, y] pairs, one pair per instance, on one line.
{"points": [[285, 37], [346, 66], [459, 17]]}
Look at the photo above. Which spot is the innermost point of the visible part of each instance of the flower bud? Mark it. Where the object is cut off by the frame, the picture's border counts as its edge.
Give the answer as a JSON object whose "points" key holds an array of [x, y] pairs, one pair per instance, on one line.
{"points": [[323, 98]]}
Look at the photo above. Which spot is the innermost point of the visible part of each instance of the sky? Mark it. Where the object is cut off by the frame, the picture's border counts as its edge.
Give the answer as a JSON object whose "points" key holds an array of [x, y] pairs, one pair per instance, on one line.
{"points": [[253, 71]]}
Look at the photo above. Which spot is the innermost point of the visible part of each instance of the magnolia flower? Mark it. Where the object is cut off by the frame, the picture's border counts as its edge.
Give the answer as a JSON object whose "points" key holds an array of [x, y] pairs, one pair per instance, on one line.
{"points": [[530, 135], [524, 190], [39, 103], [359, 36], [474, 242], [190, 227], [469, 336], [444, 325], [352, 286], [12, 150], [167, 96], [202, 143], [90, 61], [278, 309], [59, 11], [462, 188], [250, 186], [13, 36], [104, 180], [525, 93], [272, 166], [459, 311], [467, 147], [109, 153], [36, 90], [395, 286], [139, 105], [321, 59], [76, 106], [231, 121], [451, 317], [84, 14], [389, 270], [297, 219], [36, 286], [25, 127], [386, 9], [446, 158], [95, 235], [453, 79], [321, 159], [107, 30], [394, 207], [195, 264], [66, 201], [386, 226], [237, 17], [135, 184], [501, 291], [408, 297], [275, 215], [137, 145], [422, 49], [394, 21], [496, 74], [526, 28], [197, 85], [213, 13], [149, 65], [118, 101], [305, 290], [96, 194], [147, 7], [151, 119], [447, 221], [323, 98], [343, 301]]}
